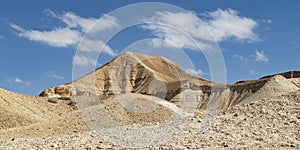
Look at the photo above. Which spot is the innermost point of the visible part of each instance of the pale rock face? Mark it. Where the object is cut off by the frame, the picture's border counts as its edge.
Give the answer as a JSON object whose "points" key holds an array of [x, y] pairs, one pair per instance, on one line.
{"points": [[59, 91]]}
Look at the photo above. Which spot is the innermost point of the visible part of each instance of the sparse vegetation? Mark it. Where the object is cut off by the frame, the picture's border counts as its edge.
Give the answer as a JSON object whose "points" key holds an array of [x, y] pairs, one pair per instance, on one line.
{"points": [[64, 98]]}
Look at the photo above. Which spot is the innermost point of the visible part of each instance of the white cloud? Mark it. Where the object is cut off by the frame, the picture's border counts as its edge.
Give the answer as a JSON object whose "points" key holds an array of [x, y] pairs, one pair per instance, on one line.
{"points": [[219, 25], [156, 42], [195, 72], [90, 45], [92, 25], [176, 42], [83, 61], [240, 57], [60, 37], [51, 74], [16, 27], [169, 28], [269, 21], [226, 24], [260, 56], [252, 72], [70, 35], [18, 80], [266, 22]]}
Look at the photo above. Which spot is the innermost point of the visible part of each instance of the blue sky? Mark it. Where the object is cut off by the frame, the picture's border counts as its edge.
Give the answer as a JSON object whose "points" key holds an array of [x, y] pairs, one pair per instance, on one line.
{"points": [[39, 40]]}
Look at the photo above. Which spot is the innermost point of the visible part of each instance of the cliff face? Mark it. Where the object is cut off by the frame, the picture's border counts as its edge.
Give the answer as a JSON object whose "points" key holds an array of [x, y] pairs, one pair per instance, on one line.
{"points": [[162, 78]]}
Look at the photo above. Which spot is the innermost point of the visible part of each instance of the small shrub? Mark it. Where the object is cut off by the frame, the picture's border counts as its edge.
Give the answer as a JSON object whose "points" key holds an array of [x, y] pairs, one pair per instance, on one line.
{"points": [[64, 98]]}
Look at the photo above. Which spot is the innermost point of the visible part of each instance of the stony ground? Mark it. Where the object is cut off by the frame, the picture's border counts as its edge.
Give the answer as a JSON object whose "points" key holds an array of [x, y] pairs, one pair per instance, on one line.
{"points": [[266, 124]]}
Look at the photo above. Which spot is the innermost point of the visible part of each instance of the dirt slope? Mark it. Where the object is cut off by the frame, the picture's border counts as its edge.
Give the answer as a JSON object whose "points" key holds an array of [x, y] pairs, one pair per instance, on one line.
{"points": [[23, 116], [271, 123], [18, 109]]}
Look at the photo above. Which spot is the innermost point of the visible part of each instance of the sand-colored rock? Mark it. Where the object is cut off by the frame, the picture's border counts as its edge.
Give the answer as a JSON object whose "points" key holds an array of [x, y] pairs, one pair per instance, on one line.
{"points": [[21, 110], [162, 78], [136, 73], [271, 123], [59, 91], [136, 90], [28, 116]]}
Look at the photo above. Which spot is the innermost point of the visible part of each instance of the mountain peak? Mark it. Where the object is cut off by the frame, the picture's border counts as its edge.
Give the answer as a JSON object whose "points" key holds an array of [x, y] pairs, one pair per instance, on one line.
{"points": [[138, 73]]}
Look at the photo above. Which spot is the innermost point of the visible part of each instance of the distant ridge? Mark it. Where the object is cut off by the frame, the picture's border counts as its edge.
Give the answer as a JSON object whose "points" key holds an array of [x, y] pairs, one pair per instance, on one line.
{"points": [[289, 74]]}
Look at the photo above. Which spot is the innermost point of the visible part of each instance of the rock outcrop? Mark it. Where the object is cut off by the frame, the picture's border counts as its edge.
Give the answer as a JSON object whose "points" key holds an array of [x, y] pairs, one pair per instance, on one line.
{"points": [[59, 91]]}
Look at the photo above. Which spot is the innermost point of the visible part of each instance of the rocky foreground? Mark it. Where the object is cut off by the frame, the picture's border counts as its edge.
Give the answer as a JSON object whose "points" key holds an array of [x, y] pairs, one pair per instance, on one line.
{"points": [[265, 124]]}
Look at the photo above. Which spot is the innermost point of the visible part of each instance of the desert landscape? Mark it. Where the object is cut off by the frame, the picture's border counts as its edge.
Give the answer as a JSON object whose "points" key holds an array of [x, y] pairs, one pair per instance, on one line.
{"points": [[104, 109]]}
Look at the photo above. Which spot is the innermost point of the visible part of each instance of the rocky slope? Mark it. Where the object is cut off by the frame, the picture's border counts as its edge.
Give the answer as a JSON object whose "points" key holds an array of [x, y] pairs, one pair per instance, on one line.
{"points": [[28, 116], [162, 78], [271, 123], [21, 110]]}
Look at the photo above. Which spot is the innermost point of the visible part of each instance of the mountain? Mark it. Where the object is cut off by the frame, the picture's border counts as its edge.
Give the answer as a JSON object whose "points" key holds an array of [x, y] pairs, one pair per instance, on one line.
{"points": [[135, 73], [137, 90], [157, 76]]}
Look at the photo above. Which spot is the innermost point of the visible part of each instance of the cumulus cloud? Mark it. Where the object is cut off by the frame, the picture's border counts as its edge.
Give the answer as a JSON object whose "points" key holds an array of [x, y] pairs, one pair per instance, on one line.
{"points": [[83, 61], [240, 57], [219, 25], [19, 81], [16, 27], [260, 56], [95, 45], [51, 74], [156, 42], [71, 34], [60, 37], [93, 25], [269, 21], [172, 29], [195, 72], [226, 24]]}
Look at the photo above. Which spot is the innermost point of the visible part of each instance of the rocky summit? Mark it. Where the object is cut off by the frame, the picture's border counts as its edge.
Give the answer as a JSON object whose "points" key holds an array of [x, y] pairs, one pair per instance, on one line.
{"points": [[135, 91]]}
